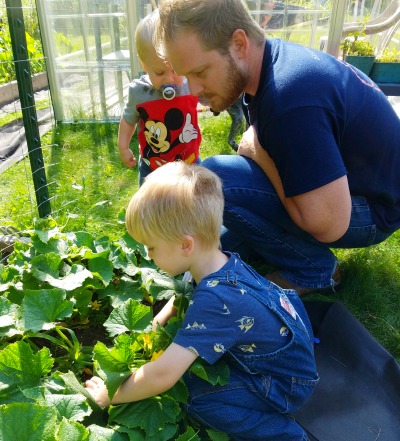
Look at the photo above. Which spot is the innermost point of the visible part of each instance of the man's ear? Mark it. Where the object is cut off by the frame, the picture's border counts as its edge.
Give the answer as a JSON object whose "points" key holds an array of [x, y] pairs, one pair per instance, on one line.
{"points": [[240, 44], [187, 245]]}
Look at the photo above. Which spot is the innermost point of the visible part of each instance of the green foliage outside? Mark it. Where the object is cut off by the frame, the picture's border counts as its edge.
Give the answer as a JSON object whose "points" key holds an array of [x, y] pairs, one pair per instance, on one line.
{"points": [[354, 44], [52, 290], [34, 46], [389, 55]]}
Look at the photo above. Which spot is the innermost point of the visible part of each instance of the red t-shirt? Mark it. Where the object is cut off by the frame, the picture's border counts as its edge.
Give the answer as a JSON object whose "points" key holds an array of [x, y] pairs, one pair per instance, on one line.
{"points": [[169, 131]]}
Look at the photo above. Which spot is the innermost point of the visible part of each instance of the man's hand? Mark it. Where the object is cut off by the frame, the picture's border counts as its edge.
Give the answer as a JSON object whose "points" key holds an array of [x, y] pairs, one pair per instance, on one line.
{"points": [[249, 144]]}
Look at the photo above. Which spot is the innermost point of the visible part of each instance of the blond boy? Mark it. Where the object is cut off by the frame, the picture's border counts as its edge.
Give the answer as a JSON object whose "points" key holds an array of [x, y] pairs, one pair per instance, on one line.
{"points": [[261, 331]]}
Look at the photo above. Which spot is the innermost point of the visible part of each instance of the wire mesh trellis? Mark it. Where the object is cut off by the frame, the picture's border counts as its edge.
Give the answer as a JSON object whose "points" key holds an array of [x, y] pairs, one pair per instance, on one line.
{"points": [[25, 116]]}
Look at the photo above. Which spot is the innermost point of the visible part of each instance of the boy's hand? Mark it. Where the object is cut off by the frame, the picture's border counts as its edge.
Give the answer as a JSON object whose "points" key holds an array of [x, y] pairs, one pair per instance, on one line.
{"points": [[97, 389], [127, 158]]}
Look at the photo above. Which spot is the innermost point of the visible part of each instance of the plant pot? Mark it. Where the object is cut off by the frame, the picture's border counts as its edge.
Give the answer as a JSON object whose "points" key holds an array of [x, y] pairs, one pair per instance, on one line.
{"points": [[363, 63], [385, 73]]}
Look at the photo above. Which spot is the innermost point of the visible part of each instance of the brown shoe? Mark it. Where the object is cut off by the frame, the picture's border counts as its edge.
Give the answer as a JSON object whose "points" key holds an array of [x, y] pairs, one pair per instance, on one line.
{"points": [[276, 278]]}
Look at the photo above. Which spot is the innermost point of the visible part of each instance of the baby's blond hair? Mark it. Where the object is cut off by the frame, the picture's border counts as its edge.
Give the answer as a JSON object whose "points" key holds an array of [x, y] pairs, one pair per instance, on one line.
{"points": [[144, 35], [175, 200]]}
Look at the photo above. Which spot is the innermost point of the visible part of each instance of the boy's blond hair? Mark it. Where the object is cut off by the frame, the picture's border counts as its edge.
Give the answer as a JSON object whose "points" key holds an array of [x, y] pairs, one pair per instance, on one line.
{"points": [[144, 35], [177, 199]]}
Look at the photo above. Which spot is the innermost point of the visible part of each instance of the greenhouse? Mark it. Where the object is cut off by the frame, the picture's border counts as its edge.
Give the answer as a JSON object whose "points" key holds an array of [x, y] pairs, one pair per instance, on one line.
{"points": [[78, 294]]}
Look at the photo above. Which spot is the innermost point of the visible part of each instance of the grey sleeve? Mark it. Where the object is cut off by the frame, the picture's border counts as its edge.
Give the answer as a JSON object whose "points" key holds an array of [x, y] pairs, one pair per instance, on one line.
{"points": [[130, 113]]}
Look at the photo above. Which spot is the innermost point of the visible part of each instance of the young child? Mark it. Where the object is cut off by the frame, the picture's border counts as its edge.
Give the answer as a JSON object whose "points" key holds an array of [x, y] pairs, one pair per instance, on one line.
{"points": [[160, 104], [261, 331]]}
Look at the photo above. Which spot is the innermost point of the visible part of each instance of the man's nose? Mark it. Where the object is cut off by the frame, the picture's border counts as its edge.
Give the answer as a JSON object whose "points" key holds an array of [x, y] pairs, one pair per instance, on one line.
{"points": [[195, 88]]}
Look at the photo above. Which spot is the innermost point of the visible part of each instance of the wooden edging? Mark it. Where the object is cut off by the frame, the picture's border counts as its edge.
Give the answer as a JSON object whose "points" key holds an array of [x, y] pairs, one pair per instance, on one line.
{"points": [[9, 91]]}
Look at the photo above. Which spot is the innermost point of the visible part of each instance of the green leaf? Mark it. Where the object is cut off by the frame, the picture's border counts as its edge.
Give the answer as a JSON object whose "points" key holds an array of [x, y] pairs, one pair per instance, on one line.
{"points": [[72, 431], [54, 245], [84, 239], [45, 229], [215, 435], [74, 278], [21, 368], [162, 286], [162, 409], [113, 365], [72, 383], [27, 422], [73, 407], [165, 434], [8, 317], [121, 290], [102, 268], [130, 245], [130, 316], [46, 265], [179, 392], [217, 373], [70, 406], [189, 435], [98, 433], [42, 308], [127, 263]]}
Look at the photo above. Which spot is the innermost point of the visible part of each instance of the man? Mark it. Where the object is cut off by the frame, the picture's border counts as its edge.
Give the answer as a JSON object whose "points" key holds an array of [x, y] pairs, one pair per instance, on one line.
{"points": [[318, 167]]}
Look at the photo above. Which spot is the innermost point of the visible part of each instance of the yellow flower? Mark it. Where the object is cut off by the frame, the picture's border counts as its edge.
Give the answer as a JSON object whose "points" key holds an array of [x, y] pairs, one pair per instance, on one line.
{"points": [[156, 355], [148, 344], [95, 305]]}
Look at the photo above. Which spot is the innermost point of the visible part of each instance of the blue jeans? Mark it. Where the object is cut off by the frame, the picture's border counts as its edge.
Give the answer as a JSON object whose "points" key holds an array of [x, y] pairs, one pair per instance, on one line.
{"points": [[145, 170], [255, 217], [264, 388], [238, 409]]}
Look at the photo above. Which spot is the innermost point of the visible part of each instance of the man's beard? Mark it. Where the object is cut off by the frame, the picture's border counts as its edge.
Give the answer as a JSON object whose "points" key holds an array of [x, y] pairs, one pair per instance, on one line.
{"points": [[235, 83]]}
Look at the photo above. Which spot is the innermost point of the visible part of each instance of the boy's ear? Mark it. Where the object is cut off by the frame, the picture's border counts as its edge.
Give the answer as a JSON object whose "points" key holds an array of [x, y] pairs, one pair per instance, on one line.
{"points": [[187, 245]]}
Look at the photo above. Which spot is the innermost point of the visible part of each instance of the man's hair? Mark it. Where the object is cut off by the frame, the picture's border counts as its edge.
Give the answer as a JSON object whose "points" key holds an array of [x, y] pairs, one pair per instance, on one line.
{"points": [[144, 34], [214, 21], [177, 199]]}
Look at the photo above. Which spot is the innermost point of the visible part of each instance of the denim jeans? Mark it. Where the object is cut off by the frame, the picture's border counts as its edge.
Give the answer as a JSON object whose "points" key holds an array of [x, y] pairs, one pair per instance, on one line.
{"points": [[238, 409], [263, 389], [255, 217], [145, 170]]}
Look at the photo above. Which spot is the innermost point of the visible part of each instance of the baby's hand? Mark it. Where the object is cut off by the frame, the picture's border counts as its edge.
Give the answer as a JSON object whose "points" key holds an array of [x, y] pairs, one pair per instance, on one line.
{"points": [[97, 389], [127, 158]]}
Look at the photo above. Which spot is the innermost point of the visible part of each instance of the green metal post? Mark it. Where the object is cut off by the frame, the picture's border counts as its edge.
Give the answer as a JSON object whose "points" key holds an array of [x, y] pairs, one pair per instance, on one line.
{"points": [[26, 95]]}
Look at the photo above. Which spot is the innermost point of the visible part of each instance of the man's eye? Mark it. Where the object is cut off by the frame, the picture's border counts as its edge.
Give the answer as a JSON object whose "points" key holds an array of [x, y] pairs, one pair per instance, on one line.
{"points": [[200, 74]]}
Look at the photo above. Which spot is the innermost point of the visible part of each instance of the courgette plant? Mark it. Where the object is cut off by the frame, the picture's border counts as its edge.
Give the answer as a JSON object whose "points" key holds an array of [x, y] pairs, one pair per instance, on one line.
{"points": [[52, 288]]}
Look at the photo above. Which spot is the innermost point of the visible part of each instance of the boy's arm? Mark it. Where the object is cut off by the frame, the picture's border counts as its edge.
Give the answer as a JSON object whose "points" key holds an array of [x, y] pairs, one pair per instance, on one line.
{"points": [[151, 379], [125, 133], [165, 314]]}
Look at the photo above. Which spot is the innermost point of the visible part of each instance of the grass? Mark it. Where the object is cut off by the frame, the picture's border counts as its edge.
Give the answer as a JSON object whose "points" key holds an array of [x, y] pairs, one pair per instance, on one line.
{"points": [[12, 116], [90, 187]]}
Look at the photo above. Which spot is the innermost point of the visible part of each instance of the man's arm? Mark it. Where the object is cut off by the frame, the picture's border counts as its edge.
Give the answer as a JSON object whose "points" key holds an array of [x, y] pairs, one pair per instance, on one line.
{"points": [[324, 212], [151, 379]]}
